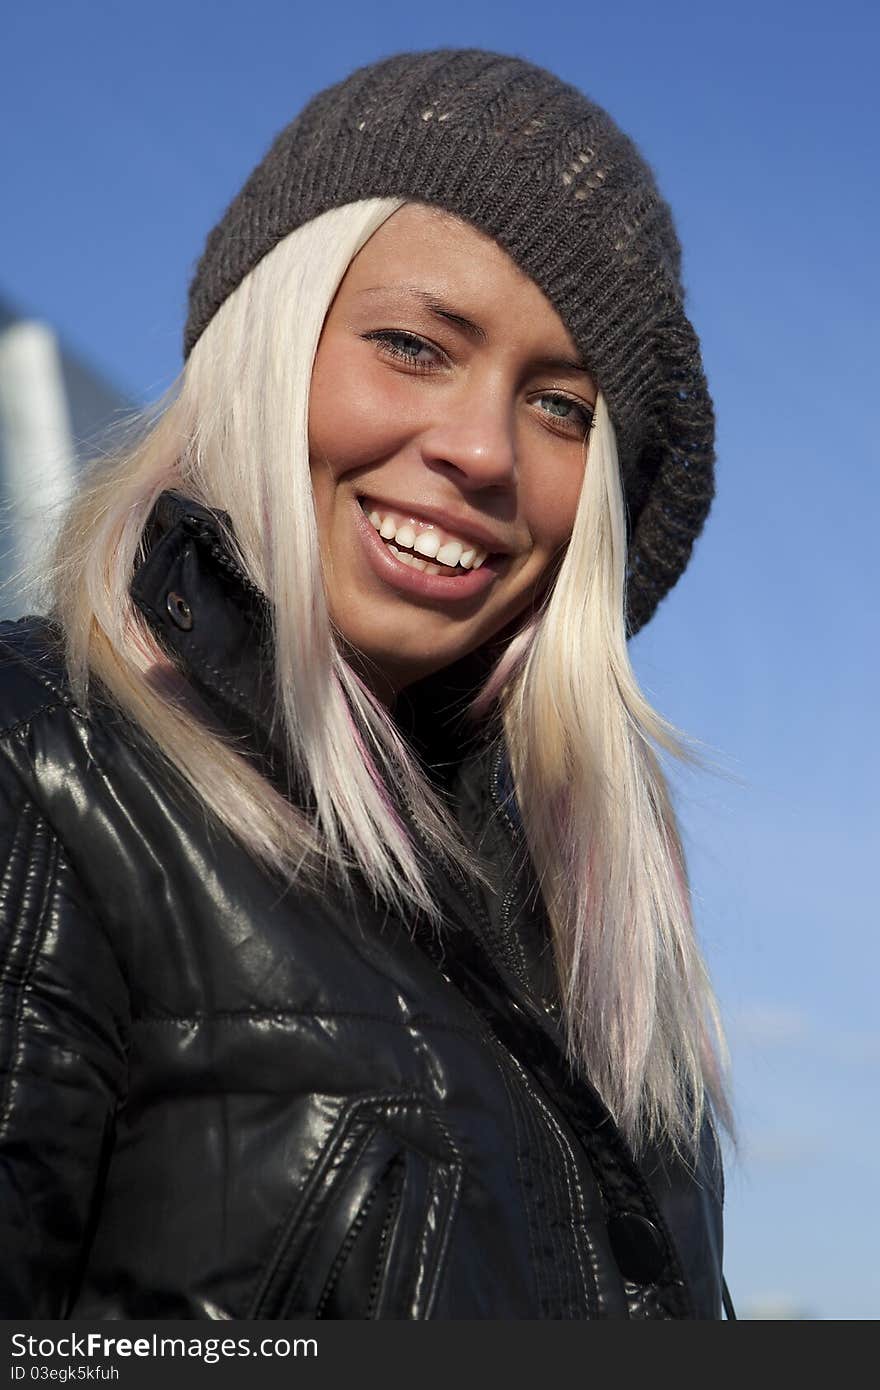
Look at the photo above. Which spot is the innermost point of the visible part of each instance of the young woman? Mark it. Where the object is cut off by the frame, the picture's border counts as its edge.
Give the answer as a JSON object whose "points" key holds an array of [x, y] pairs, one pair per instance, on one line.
{"points": [[348, 961]]}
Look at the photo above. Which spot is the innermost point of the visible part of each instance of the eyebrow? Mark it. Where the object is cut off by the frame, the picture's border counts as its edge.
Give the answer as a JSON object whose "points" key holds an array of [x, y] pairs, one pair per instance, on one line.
{"points": [[441, 310]]}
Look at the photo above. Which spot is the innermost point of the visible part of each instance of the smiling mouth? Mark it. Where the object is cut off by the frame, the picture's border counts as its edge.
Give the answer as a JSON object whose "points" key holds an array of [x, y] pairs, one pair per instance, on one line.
{"points": [[423, 550]]}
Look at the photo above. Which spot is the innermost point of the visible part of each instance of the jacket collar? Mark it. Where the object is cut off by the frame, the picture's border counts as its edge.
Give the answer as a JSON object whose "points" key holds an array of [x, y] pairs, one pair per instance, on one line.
{"points": [[212, 621], [216, 625]]}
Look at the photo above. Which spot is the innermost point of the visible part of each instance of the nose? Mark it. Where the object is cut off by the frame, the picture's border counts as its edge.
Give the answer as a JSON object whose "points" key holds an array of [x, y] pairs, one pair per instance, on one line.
{"points": [[473, 438]]}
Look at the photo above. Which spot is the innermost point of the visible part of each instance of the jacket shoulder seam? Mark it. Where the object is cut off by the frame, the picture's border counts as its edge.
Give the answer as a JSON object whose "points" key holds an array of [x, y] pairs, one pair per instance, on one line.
{"points": [[28, 719], [53, 685], [31, 821], [31, 800], [244, 1016]]}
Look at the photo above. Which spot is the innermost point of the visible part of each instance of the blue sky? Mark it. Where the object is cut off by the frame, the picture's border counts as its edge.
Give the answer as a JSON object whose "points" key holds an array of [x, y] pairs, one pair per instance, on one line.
{"points": [[127, 130]]}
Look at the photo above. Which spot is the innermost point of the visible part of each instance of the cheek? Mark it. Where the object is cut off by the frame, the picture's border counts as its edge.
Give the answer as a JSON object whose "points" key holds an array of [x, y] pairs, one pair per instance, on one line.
{"points": [[357, 414], [551, 507]]}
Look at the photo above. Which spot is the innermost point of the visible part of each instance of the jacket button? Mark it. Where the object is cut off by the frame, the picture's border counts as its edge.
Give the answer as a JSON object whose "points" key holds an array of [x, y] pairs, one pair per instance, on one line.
{"points": [[638, 1247], [179, 609]]}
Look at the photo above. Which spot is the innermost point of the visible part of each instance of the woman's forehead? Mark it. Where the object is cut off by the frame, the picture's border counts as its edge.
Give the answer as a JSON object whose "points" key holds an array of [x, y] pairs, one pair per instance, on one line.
{"points": [[417, 231], [433, 259]]}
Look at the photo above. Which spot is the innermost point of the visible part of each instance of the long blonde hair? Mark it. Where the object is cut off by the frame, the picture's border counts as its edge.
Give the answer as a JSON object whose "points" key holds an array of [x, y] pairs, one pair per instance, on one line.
{"points": [[232, 433]]}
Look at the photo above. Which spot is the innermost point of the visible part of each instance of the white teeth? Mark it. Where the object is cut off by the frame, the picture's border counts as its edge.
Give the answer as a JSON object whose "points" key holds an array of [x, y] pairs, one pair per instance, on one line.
{"points": [[413, 561], [428, 543], [450, 555]]}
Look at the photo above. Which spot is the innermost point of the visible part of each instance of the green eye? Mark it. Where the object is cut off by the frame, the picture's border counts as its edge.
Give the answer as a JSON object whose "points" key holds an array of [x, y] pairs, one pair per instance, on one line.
{"points": [[567, 411], [403, 344], [559, 406], [405, 347]]}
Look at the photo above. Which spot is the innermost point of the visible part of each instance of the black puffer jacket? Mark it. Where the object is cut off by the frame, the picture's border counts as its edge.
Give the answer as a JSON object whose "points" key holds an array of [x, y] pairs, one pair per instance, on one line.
{"points": [[220, 1100]]}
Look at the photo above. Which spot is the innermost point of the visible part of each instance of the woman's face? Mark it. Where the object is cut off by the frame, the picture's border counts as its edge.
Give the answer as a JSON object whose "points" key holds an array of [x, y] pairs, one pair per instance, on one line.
{"points": [[448, 405]]}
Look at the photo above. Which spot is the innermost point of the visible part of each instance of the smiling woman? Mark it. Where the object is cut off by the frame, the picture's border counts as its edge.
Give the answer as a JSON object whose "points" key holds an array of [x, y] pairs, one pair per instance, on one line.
{"points": [[343, 891]]}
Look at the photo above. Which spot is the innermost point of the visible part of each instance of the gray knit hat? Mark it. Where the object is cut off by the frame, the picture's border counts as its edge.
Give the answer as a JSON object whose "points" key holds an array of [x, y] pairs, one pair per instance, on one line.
{"points": [[532, 162]]}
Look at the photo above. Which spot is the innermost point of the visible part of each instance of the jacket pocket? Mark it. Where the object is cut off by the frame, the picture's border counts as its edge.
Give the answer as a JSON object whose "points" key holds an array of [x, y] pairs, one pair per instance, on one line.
{"points": [[368, 1234]]}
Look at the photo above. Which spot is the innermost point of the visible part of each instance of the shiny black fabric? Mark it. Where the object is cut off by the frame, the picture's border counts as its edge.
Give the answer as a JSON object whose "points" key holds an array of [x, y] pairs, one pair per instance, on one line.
{"points": [[221, 1099]]}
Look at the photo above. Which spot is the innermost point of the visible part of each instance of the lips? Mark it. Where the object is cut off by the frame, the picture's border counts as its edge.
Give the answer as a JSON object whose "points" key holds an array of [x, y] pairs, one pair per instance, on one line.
{"points": [[452, 588], [424, 546]]}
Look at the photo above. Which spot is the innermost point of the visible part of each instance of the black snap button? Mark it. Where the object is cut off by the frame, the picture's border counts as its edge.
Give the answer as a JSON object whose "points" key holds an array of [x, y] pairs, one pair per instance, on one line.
{"points": [[638, 1247], [180, 611]]}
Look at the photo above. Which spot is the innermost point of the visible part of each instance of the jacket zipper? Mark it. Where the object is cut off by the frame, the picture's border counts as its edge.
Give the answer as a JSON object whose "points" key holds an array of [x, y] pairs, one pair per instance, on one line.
{"points": [[516, 834], [511, 1064], [497, 936], [505, 1055]]}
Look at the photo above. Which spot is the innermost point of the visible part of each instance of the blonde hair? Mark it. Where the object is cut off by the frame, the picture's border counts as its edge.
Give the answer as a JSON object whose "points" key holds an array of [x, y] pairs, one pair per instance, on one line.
{"points": [[232, 434]]}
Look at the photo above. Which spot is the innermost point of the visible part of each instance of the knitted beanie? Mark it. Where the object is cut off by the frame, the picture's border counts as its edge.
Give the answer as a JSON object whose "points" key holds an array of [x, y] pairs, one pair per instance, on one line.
{"points": [[533, 163]]}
